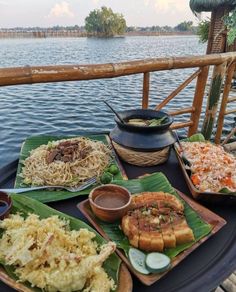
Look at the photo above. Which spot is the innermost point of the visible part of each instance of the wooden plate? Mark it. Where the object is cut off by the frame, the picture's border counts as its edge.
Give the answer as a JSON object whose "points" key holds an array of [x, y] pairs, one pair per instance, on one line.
{"points": [[198, 195], [208, 216], [125, 283]]}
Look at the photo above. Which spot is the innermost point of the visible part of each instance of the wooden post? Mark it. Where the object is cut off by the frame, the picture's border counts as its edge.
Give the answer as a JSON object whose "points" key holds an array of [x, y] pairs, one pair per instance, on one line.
{"points": [[227, 87], [146, 79], [198, 99], [213, 100]]}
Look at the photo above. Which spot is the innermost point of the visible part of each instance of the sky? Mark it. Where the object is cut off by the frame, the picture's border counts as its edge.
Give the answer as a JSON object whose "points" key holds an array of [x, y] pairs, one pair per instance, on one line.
{"points": [[46, 13]]}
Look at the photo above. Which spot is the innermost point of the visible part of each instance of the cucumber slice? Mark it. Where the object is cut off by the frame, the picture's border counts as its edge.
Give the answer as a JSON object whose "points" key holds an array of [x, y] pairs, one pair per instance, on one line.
{"points": [[157, 262], [137, 260]]}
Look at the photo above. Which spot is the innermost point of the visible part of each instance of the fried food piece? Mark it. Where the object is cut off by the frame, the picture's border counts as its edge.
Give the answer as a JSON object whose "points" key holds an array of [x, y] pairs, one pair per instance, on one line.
{"points": [[183, 233], [167, 232], [156, 221]]}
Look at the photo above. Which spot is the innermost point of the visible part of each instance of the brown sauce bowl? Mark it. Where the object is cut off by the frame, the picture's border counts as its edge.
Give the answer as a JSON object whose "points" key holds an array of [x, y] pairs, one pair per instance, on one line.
{"points": [[5, 205], [110, 202]]}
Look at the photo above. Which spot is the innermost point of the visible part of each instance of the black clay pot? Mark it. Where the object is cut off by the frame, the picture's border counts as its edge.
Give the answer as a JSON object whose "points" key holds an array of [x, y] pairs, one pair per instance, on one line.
{"points": [[142, 137]]}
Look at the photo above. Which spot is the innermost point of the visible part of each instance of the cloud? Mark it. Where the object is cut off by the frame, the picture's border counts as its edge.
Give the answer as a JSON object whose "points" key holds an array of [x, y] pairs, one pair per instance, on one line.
{"points": [[61, 10], [146, 2], [165, 6]]}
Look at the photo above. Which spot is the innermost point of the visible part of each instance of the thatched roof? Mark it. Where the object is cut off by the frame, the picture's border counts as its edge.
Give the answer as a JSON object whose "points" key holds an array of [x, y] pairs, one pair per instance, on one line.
{"points": [[209, 5]]}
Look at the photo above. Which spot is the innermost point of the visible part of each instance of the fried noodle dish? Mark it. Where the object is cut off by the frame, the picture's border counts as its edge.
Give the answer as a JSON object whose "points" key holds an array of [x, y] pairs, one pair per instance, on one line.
{"points": [[50, 256], [67, 162], [212, 167]]}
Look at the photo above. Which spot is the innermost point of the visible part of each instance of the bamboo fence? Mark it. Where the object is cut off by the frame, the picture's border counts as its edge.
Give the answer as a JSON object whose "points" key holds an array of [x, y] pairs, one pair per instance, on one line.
{"points": [[223, 66]]}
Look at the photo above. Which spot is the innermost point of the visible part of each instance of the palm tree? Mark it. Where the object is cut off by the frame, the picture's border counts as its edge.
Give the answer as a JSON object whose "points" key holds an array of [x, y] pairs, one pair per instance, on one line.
{"points": [[217, 33]]}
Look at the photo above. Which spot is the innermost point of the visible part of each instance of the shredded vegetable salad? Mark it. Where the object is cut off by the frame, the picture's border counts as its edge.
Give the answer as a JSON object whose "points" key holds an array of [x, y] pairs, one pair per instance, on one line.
{"points": [[212, 168]]}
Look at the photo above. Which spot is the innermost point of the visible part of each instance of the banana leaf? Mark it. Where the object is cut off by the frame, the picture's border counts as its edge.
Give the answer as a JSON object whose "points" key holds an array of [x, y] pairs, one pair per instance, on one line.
{"points": [[26, 205], [46, 196], [152, 183], [195, 138]]}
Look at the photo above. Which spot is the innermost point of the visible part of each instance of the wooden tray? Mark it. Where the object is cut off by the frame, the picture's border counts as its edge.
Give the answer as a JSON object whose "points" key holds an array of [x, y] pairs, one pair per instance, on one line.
{"points": [[209, 217], [125, 283], [198, 195]]}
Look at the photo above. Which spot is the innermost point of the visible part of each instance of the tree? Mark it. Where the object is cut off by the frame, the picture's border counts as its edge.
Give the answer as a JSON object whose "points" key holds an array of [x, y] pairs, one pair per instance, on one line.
{"points": [[184, 26], [203, 30], [105, 22], [230, 23]]}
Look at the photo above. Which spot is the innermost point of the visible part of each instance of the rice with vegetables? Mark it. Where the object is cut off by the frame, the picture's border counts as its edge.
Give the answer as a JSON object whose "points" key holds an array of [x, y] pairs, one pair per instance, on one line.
{"points": [[212, 168]]}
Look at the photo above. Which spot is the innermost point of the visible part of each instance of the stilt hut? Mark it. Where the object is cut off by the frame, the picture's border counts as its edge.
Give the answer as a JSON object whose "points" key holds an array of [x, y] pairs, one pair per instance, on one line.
{"points": [[217, 34], [217, 43]]}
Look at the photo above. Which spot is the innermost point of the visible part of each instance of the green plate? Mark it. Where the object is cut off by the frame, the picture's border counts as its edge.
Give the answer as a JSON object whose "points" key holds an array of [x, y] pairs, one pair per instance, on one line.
{"points": [[53, 196]]}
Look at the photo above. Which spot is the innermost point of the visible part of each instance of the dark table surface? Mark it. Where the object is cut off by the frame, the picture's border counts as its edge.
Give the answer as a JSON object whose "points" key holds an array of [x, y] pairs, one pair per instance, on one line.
{"points": [[204, 269]]}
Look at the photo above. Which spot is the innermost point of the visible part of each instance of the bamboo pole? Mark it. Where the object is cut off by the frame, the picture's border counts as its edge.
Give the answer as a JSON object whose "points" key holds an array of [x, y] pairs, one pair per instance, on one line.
{"points": [[211, 32], [182, 111], [177, 90], [230, 146], [146, 82], [198, 99], [213, 100], [181, 125], [226, 91], [40, 74], [232, 132], [231, 99], [230, 111]]}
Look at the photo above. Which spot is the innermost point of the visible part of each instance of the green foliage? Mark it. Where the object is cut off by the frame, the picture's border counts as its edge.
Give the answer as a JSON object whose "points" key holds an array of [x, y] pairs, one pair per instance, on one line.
{"points": [[230, 23], [203, 30], [105, 22], [184, 26]]}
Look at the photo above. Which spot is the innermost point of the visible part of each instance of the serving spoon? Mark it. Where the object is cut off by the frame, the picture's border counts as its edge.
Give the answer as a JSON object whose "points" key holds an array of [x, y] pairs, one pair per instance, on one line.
{"points": [[183, 156], [115, 112]]}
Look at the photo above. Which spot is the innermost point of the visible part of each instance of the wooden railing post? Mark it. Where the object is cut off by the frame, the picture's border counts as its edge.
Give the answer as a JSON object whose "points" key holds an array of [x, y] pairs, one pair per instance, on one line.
{"points": [[213, 99], [228, 80], [198, 99], [146, 82]]}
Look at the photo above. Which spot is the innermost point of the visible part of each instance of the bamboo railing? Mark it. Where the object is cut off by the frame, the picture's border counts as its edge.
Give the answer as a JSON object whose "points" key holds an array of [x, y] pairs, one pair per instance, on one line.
{"points": [[224, 65]]}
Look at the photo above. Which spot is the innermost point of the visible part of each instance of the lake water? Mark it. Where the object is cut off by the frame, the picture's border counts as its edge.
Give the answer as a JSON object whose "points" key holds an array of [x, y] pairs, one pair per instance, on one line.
{"points": [[69, 108]]}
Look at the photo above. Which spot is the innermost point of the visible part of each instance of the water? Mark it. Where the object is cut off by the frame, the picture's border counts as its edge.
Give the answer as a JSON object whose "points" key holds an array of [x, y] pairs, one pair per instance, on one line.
{"points": [[69, 108]]}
